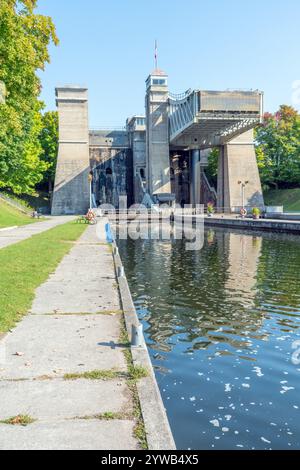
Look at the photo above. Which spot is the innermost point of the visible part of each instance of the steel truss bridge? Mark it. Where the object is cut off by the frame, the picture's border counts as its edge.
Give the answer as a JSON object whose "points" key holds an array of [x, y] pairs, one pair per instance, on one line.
{"points": [[203, 119]]}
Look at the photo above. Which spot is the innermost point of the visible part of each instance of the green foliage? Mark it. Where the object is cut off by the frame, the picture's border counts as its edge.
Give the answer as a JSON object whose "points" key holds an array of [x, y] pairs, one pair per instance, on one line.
{"points": [[212, 169], [278, 148], [48, 139], [210, 208], [277, 151], [256, 211], [24, 40], [289, 198], [137, 372]]}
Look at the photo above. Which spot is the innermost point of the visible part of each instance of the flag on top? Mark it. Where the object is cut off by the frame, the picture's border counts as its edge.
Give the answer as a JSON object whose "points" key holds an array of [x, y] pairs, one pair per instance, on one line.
{"points": [[156, 54]]}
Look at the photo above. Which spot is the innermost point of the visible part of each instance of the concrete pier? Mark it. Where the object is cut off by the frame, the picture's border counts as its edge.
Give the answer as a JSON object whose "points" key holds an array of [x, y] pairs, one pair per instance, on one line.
{"points": [[237, 172], [232, 221]]}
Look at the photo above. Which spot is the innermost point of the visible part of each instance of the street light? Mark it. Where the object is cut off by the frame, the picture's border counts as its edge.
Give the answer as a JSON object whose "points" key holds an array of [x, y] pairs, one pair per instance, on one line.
{"points": [[243, 184], [90, 178]]}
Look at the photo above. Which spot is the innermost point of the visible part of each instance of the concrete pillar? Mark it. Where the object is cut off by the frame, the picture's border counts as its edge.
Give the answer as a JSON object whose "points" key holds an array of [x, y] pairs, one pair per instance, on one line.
{"points": [[72, 188], [157, 134], [195, 178], [136, 128], [238, 164]]}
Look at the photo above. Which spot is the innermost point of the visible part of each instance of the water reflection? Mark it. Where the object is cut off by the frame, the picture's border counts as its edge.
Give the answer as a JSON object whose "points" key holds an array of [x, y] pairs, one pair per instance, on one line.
{"points": [[220, 323]]}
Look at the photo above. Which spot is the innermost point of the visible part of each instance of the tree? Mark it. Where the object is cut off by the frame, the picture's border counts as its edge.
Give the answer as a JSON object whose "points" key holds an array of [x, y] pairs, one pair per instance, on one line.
{"points": [[48, 139], [278, 148], [28, 169], [24, 40]]}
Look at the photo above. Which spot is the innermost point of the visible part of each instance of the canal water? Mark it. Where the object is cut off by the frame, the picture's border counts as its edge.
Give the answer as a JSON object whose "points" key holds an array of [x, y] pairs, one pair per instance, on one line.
{"points": [[221, 326]]}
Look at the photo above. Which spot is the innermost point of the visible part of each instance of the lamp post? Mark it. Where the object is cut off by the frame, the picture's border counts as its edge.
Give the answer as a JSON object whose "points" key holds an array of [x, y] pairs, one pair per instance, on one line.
{"points": [[90, 178], [243, 185]]}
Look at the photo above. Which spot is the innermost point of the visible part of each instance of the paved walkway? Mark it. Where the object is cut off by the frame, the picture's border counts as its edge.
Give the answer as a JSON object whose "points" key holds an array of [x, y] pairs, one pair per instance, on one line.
{"points": [[73, 327], [15, 235]]}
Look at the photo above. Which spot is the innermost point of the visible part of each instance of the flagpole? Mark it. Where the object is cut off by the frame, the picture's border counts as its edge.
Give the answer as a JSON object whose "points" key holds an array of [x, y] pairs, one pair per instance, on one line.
{"points": [[156, 63]]}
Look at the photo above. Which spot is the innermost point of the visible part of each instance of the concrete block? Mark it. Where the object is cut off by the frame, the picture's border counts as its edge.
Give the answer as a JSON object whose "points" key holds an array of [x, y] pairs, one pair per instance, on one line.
{"points": [[69, 435], [56, 345], [60, 399]]}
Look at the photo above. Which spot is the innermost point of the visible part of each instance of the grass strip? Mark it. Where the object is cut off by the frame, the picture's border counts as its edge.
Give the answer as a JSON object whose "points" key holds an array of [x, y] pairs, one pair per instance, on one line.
{"points": [[95, 375], [134, 373]]}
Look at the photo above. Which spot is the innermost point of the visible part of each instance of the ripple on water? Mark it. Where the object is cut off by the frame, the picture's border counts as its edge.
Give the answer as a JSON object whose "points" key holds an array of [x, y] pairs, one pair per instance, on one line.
{"points": [[220, 325]]}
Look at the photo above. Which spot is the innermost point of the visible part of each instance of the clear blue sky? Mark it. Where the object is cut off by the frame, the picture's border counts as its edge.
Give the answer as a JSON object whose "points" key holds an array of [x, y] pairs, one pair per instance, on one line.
{"points": [[108, 45]]}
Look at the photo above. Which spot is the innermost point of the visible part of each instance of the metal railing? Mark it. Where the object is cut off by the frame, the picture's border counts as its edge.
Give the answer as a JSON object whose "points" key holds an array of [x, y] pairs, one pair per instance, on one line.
{"points": [[180, 96], [209, 186], [107, 128], [15, 204]]}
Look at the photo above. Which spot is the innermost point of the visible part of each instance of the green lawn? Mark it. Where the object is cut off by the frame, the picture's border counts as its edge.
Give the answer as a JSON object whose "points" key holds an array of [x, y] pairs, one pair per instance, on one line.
{"points": [[289, 198], [9, 216], [26, 265]]}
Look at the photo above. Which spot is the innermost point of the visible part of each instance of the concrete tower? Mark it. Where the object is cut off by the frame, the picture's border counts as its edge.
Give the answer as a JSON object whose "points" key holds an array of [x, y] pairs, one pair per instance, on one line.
{"points": [[157, 137], [71, 189]]}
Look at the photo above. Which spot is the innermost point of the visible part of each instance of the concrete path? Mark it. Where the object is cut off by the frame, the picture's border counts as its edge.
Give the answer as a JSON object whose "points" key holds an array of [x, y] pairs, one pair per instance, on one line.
{"points": [[73, 328], [14, 235]]}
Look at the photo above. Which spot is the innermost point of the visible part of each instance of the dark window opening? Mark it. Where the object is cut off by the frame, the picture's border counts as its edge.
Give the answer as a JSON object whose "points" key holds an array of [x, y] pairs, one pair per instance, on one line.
{"points": [[158, 81], [108, 171], [142, 173]]}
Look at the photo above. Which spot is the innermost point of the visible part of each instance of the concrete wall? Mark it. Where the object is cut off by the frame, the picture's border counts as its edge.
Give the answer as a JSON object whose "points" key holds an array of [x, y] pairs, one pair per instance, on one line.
{"points": [[71, 189], [112, 175], [238, 162], [109, 138]]}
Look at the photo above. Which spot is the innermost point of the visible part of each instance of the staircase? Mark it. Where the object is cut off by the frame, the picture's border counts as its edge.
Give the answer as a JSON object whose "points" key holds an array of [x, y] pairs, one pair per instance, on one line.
{"points": [[147, 201], [208, 192]]}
